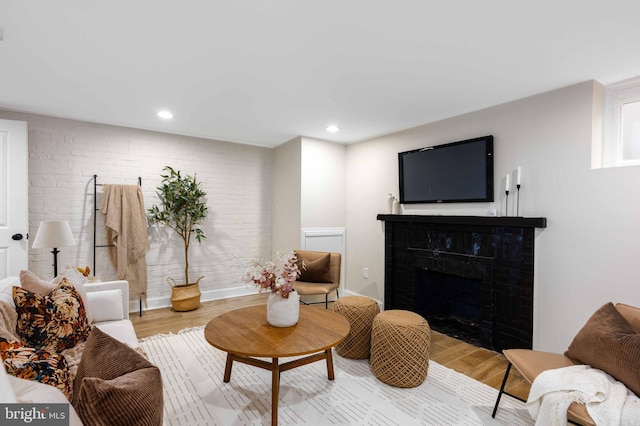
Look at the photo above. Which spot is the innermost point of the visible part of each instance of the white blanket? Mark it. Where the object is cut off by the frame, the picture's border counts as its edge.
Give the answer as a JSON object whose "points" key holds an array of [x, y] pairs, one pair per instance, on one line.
{"points": [[608, 401]]}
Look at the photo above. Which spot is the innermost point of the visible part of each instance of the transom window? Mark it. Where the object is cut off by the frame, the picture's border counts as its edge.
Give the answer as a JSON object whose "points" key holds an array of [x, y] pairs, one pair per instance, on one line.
{"points": [[631, 131], [622, 124]]}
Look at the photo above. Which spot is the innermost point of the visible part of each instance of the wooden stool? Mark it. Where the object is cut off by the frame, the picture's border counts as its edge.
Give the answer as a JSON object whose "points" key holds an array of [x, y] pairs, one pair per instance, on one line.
{"points": [[400, 348], [360, 312]]}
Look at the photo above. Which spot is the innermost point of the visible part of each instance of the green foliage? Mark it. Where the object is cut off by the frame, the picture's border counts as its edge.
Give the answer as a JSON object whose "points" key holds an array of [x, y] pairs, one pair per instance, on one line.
{"points": [[182, 208]]}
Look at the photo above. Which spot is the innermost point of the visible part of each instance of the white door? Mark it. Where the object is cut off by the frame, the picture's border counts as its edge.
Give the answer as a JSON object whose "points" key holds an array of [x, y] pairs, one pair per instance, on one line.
{"points": [[14, 214]]}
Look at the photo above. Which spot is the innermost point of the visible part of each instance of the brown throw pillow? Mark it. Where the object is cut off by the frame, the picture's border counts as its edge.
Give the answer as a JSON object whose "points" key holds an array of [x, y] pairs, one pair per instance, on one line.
{"points": [[609, 343], [316, 271], [115, 385], [631, 314]]}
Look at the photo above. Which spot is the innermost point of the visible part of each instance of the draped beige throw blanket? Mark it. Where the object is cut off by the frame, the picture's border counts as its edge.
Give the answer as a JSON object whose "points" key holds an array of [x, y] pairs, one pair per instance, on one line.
{"points": [[126, 226]]}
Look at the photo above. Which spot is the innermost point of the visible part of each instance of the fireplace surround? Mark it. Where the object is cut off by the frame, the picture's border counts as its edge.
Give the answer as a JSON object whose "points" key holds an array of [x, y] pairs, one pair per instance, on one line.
{"points": [[469, 274]]}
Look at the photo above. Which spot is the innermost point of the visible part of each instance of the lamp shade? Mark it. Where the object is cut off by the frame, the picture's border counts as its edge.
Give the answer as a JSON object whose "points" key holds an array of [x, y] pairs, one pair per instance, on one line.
{"points": [[54, 233]]}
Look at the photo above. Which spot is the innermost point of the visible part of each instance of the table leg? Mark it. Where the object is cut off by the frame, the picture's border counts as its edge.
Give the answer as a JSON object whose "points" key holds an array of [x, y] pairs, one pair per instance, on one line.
{"points": [[329, 363], [227, 368], [275, 390]]}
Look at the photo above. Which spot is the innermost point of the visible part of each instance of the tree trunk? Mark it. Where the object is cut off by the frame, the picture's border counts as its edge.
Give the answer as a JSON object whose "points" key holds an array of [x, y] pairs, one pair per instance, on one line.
{"points": [[186, 263]]}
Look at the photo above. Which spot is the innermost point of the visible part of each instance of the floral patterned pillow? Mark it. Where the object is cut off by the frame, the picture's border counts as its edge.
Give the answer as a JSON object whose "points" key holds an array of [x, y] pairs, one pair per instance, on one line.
{"points": [[36, 364], [54, 322]]}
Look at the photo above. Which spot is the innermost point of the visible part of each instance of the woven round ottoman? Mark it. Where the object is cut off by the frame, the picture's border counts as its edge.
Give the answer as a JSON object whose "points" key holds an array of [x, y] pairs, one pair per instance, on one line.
{"points": [[400, 348], [360, 312]]}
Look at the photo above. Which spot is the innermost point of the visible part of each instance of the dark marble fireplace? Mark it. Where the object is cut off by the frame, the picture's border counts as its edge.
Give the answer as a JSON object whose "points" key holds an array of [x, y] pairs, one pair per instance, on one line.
{"points": [[470, 276]]}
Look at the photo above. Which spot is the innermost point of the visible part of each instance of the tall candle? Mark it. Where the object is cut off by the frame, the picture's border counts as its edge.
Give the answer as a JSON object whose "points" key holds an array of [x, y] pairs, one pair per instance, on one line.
{"points": [[519, 175], [506, 185]]}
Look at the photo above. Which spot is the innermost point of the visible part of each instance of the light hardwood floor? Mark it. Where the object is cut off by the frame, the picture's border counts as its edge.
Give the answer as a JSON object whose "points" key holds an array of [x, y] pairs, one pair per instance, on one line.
{"points": [[481, 364]]}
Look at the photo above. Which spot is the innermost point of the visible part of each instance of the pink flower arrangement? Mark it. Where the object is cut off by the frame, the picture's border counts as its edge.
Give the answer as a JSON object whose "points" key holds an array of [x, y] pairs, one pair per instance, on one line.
{"points": [[276, 276]]}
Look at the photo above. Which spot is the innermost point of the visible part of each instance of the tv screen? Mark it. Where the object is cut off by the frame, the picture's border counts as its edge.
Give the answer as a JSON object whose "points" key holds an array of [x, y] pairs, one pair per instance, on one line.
{"points": [[451, 173]]}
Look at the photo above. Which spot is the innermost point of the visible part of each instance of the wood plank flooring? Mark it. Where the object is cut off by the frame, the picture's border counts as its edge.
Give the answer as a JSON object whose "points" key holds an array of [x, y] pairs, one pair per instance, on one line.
{"points": [[481, 364]]}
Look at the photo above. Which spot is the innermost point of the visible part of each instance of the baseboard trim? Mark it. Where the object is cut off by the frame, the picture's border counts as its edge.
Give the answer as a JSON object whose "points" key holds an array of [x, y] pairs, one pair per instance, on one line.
{"points": [[206, 296], [353, 293]]}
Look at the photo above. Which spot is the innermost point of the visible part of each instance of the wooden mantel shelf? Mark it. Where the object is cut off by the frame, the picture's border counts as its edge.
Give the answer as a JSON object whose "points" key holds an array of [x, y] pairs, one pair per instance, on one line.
{"points": [[520, 222]]}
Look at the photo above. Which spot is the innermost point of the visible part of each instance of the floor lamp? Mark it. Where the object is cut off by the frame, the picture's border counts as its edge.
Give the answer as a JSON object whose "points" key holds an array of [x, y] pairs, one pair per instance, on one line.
{"points": [[54, 234]]}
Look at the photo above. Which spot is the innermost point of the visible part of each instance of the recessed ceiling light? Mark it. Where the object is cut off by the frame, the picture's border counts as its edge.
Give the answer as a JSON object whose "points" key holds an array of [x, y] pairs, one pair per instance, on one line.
{"points": [[333, 128], [164, 114]]}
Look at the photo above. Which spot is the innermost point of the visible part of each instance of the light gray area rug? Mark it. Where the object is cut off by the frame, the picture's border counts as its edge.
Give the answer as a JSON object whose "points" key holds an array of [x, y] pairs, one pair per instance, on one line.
{"points": [[194, 393]]}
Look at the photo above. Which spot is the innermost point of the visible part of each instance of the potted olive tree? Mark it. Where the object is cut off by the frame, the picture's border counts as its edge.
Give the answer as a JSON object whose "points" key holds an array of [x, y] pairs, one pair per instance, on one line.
{"points": [[182, 209]]}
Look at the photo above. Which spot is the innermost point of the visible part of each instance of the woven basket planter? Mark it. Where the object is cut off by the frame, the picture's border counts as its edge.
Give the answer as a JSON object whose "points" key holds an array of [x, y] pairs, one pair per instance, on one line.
{"points": [[185, 297], [400, 348]]}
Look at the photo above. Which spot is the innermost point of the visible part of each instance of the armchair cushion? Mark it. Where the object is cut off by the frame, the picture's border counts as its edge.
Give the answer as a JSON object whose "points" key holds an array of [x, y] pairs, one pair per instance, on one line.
{"points": [[531, 363], [609, 343]]}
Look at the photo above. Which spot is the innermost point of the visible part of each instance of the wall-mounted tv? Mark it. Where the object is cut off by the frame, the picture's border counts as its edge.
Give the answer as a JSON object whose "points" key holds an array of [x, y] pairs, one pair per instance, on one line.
{"points": [[457, 172]]}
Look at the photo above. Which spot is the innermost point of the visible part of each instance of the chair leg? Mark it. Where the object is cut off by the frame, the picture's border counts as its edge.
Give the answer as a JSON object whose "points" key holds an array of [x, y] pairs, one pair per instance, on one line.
{"points": [[504, 382], [326, 299]]}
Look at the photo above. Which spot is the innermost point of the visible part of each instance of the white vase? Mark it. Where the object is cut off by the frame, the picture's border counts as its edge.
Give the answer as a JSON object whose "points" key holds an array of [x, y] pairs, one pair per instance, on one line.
{"points": [[283, 312], [396, 207]]}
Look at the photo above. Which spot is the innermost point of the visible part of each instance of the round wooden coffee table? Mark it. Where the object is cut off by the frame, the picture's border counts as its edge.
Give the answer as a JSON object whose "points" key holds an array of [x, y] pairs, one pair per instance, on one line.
{"points": [[245, 334]]}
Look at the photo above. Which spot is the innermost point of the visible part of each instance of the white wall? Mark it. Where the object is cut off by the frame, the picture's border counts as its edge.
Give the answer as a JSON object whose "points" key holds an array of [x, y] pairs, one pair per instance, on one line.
{"points": [[323, 188], [64, 155], [587, 254]]}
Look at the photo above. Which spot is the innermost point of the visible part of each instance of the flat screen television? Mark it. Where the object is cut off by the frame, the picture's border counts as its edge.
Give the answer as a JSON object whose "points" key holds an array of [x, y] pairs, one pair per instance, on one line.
{"points": [[457, 172]]}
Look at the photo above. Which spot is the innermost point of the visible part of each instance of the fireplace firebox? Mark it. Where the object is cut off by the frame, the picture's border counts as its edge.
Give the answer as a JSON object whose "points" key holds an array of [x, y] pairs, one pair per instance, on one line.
{"points": [[470, 277], [451, 304]]}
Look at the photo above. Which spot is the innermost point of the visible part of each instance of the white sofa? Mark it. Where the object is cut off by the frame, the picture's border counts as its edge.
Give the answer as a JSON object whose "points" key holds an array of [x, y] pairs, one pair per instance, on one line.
{"points": [[108, 302], [113, 318]]}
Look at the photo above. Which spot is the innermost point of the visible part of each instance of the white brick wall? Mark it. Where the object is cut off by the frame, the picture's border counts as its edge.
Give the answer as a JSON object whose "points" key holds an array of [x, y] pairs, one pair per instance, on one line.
{"points": [[64, 155]]}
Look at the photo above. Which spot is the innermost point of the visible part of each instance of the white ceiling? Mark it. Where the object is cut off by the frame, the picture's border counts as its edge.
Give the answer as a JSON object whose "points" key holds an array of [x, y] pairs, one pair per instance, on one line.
{"points": [[265, 71]]}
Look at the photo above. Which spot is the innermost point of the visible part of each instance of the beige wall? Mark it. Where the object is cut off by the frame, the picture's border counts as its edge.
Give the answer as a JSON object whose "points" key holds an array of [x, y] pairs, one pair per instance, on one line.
{"points": [[286, 196], [585, 257], [308, 192]]}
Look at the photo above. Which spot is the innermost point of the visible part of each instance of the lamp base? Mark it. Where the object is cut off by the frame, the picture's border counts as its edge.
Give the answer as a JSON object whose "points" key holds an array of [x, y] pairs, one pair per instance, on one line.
{"points": [[55, 252]]}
